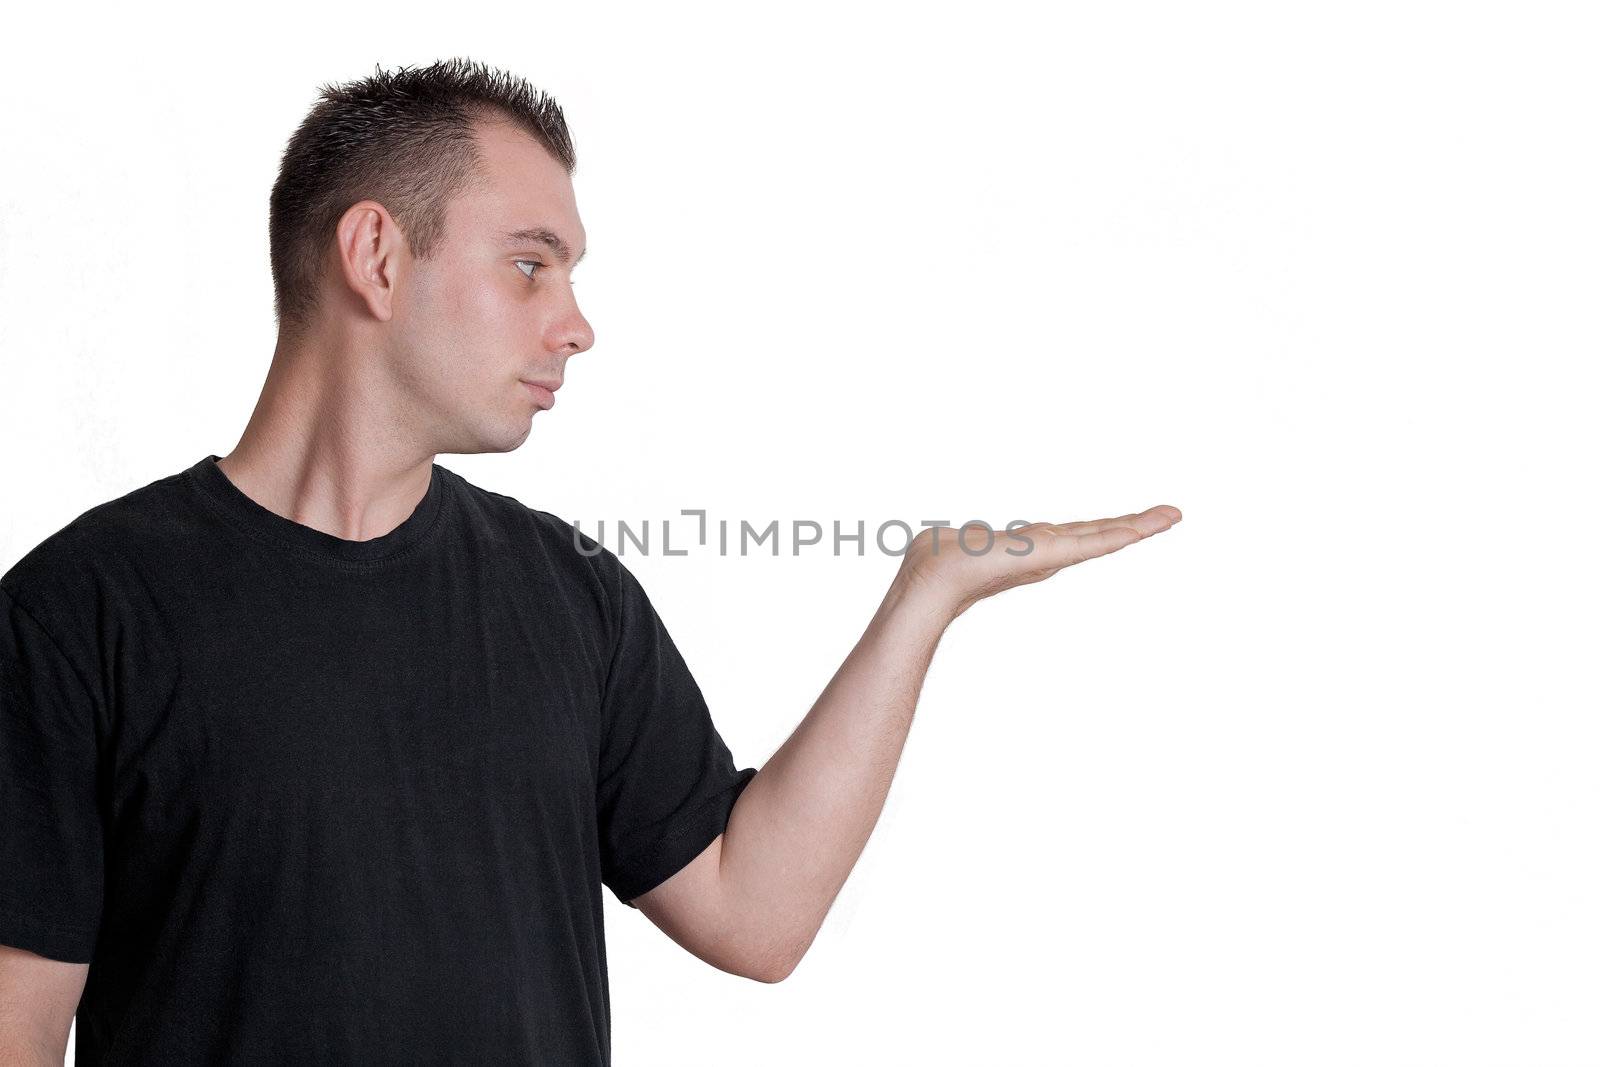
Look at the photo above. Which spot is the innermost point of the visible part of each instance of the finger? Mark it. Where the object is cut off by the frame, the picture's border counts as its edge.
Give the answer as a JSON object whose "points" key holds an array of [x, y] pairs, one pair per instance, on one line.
{"points": [[1059, 550], [1084, 526], [1104, 542], [1060, 540], [1148, 521]]}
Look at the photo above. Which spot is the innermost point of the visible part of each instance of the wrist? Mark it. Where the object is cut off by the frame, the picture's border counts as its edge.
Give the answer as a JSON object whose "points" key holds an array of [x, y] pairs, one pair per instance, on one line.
{"points": [[914, 600]]}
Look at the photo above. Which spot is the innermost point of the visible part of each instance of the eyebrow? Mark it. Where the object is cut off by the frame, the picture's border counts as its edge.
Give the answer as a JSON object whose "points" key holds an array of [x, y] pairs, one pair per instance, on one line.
{"points": [[548, 238]]}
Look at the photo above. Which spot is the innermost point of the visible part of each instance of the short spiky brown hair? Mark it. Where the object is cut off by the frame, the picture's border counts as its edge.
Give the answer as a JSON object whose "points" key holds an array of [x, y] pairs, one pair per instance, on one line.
{"points": [[404, 139]]}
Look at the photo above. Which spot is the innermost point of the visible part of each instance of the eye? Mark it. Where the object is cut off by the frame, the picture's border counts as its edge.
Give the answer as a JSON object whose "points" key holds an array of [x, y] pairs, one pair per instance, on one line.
{"points": [[531, 263]]}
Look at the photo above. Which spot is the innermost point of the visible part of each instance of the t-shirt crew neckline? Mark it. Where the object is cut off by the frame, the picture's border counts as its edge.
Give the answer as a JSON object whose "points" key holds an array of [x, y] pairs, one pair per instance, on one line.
{"points": [[265, 524]]}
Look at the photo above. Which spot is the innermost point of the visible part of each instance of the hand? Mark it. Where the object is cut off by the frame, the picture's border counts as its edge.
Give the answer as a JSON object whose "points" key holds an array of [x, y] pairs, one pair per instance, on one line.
{"points": [[957, 567]]}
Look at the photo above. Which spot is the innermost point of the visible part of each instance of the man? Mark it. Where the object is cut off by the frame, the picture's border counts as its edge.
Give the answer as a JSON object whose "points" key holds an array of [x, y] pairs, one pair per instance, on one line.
{"points": [[318, 753]]}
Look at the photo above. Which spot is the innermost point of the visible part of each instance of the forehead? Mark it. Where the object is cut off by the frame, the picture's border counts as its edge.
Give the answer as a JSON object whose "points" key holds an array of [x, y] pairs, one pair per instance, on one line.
{"points": [[523, 186]]}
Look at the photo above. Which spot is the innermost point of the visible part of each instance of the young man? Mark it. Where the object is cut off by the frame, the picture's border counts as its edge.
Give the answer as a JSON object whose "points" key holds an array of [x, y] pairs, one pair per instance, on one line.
{"points": [[318, 753]]}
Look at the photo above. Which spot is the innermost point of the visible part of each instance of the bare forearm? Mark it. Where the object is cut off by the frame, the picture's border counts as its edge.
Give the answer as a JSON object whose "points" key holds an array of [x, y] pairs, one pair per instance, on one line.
{"points": [[755, 899], [801, 824]]}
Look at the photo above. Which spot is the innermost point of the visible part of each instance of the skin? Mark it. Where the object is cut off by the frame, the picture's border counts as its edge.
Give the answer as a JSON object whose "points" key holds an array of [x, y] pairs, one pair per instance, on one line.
{"points": [[405, 359], [38, 998], [409, 358], [753, 901]]}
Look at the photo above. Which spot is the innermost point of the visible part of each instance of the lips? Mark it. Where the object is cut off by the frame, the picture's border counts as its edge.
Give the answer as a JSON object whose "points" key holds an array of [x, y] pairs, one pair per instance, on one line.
{"points": [[544, 391]]}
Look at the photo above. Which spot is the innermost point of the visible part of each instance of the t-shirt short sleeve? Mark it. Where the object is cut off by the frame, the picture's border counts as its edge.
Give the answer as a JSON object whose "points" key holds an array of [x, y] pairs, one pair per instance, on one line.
{"points": [[667, 782], [51, 837]]}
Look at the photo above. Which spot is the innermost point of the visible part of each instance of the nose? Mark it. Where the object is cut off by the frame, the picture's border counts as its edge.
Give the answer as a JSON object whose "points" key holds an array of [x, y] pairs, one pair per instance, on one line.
{"points": [[572, 333]]}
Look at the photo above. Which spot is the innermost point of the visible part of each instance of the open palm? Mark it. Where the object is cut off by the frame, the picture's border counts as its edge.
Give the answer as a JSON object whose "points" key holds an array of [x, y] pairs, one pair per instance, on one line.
{"points": [[962, 565]]}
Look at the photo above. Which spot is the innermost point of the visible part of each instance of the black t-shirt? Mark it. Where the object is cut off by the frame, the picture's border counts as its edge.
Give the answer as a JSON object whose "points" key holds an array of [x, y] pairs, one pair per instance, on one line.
{"points": [[298, 799]]}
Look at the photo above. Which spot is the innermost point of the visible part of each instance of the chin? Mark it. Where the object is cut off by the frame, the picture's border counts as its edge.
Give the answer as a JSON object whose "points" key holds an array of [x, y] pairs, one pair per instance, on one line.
{"points": [[500, 437], [520, 438]]}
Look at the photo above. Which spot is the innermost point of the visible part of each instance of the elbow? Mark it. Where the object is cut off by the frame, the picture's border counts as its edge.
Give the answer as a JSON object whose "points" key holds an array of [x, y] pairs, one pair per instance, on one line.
{"points": [[769, 974], [771, 967]]}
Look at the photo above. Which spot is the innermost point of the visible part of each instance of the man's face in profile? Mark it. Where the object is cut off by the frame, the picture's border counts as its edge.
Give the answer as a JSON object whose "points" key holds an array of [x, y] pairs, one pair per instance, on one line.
{"points": [[493, 308]]}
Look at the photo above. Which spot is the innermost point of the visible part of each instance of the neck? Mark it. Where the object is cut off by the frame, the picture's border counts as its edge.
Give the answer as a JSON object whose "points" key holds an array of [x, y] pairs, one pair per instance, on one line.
{"points": [[327, 446]]}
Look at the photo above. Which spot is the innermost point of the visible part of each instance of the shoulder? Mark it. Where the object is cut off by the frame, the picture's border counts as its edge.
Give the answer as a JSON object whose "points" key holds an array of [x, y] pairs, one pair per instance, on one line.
{"points": [[558, 551], [77, 581], [499, 515], [103, 541]]}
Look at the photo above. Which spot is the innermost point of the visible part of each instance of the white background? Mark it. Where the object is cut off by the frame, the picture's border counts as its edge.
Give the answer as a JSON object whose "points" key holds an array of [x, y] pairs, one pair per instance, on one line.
{"points": [[1309, 779]]}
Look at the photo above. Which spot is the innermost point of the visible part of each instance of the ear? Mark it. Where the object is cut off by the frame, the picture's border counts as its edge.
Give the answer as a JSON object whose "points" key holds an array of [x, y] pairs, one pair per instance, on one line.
{"points": [[369, 253]]}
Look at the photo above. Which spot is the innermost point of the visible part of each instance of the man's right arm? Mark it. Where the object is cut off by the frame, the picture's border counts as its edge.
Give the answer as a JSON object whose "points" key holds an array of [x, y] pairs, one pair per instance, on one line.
{"points": [[38, 998]]}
